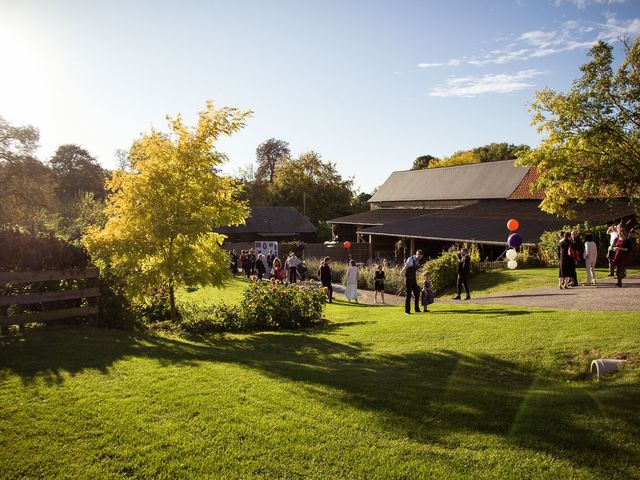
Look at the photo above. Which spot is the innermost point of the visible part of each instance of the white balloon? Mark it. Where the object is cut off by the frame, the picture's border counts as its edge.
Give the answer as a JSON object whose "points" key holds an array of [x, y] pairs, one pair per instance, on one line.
{"points": [[512, 254], [512, 264]]}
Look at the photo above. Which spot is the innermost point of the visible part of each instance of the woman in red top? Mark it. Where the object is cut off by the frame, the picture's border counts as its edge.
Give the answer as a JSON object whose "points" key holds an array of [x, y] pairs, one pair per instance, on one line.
{"points": [[277, 271], [621, 258]]}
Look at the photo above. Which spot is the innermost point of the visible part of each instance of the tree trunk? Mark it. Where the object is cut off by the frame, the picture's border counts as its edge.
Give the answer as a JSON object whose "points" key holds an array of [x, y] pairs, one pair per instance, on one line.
{"points": [[172, 303]]}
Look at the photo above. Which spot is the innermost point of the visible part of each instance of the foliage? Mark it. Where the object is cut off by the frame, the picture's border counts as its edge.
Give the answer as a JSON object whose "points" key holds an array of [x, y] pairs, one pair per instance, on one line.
{"points": [[268, 155], [26, 184], [76, 172], [23, 251], [394, 281], [466, 157], [338, 269], [77, 217], [423, 162], [265, 305], [592, 144], [328, 195], [162, 211], [549, 240], [492, 152]]}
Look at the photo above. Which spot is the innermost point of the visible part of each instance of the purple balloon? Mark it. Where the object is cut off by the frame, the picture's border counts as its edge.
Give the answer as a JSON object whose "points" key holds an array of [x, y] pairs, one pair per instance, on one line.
{"points": [[514, 240]]}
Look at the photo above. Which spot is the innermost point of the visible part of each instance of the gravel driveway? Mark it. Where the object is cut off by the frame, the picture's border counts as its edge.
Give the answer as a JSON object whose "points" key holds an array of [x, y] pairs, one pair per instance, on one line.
{"points": [[603, 296]]}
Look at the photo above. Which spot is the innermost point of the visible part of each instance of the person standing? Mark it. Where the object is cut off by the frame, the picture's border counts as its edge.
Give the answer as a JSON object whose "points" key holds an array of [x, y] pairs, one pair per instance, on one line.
{"points": [[270, 258], [409, 271], [325, 278], [378, 283], [464, 267], [612, 231], [276, 271], [291, 266], [261, 268], [233, 258], [590, 258], [427, 292], [621, 259], [566, 262], [577, 254], [351, 291]]}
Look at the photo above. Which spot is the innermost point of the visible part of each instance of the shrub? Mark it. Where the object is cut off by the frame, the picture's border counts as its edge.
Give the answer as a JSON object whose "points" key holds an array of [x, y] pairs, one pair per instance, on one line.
{"points": [[548, 246], [338, 269], [264, 306], [443, 270], [23, 251]]}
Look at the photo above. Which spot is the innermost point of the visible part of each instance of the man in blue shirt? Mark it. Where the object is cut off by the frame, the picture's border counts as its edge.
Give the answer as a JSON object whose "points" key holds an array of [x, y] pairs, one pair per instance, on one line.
{"points": [[409, 270]]}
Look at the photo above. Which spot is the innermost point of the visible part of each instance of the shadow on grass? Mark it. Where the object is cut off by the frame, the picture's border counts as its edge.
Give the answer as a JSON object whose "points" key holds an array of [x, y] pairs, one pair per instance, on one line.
{"points": [[425, 396], [493, 312]]}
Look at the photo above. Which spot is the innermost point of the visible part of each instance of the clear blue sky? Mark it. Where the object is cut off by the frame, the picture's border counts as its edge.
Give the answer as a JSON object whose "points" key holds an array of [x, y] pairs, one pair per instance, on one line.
{"points": [[370, 85]]}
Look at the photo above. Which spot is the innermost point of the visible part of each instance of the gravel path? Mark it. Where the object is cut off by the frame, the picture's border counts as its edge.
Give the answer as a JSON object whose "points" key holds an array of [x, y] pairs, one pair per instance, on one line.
{"points": [[603, 296]]}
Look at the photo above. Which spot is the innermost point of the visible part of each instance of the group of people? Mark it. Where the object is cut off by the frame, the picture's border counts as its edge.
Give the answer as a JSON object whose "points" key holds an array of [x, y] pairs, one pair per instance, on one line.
{"points": [[572, 251], [267, 267], [425, 295]]}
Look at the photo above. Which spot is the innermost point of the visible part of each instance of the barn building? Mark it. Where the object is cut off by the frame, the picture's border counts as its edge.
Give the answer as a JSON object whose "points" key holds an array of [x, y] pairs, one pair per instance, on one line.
{"points": [[434, 209]]}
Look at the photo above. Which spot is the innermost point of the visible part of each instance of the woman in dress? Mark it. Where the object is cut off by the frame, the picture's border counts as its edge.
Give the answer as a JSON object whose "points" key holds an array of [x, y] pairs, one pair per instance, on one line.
{"points": [[378, 283], [621, 259], [567, 264], [351, 292], [590, 258]]}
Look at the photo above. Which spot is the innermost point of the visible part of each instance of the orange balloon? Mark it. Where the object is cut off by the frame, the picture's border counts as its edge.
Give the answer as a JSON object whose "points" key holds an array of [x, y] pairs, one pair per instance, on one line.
{"points": [[513, 225], [347, 244]]}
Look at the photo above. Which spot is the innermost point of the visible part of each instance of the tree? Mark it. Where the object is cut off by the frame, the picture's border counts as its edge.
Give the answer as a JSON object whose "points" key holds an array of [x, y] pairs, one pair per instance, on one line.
{"points": [[327, 194], [25, 183], [423, 162], [466, 157], [269, 153], [162, 210], [592, 147], [76, 171]]}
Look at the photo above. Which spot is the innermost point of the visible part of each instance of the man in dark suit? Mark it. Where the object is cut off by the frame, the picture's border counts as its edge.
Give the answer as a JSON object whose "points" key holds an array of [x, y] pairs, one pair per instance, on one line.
{"points": [[411, 284], [463, 274]]}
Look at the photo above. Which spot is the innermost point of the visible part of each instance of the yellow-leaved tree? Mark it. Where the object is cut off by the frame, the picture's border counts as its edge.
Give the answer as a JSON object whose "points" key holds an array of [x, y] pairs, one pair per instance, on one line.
{"points": [[164, 206]]}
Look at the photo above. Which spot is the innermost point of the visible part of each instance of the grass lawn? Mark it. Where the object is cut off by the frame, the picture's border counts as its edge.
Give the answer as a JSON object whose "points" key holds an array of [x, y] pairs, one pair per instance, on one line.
{"points": [[465, 391], [501, 281]]}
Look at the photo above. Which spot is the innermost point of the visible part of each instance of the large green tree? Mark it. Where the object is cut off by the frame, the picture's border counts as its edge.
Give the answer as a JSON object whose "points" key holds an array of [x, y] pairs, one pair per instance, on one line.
{"points": [[76, 172], [592, 144], [423, 161], [162, 210], [26, 184], [313, 186], [268, 155]]}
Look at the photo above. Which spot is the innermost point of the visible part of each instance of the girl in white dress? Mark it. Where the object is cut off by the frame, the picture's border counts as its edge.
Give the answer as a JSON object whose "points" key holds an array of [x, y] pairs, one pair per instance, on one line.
{"points": [[351, 292]]}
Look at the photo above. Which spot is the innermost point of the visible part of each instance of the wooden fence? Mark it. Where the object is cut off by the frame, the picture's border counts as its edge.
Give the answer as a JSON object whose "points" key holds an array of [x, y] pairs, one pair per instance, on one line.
{"points": [[27, 297]]}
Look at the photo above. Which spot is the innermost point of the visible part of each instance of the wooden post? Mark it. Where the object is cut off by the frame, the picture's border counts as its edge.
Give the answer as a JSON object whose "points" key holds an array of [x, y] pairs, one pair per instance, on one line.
{"points": [[370, 248]]}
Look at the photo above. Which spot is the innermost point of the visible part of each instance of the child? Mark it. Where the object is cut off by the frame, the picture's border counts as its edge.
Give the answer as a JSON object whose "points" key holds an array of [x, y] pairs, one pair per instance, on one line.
{"points": [[276, 270], [351, 292], [378, 283], [427, 292], [325, 277]]}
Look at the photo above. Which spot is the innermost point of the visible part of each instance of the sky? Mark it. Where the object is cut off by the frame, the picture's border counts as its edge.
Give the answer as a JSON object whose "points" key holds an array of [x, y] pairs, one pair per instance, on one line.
{"points": [[368, 84]]}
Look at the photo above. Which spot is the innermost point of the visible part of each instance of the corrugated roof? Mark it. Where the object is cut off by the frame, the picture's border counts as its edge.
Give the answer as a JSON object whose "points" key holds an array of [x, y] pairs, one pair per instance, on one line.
{"points": [[463, 182], [485, 221], [379, 216], [272, 220]]}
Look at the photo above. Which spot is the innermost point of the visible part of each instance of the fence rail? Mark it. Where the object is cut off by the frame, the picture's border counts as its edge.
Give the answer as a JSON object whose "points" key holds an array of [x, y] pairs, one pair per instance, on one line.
{"points": [[21, 291]]}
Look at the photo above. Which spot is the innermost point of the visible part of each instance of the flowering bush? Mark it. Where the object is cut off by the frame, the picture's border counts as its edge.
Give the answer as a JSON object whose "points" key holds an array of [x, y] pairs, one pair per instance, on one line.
{"points": [[264, 306]]}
